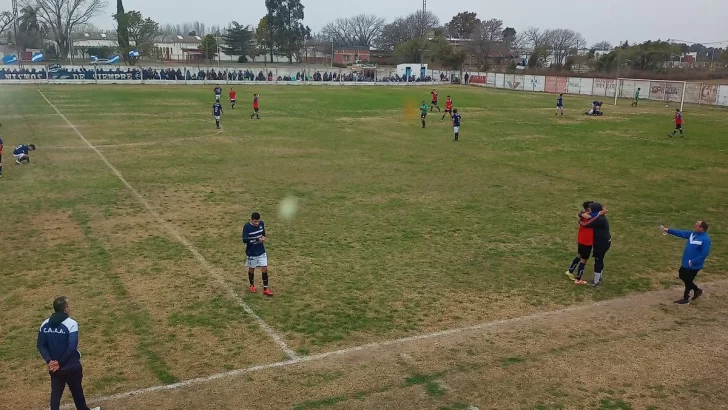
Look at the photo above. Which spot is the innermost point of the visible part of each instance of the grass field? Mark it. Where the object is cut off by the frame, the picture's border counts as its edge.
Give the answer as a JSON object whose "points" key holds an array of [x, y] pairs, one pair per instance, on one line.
{"points": [[400, 232]]}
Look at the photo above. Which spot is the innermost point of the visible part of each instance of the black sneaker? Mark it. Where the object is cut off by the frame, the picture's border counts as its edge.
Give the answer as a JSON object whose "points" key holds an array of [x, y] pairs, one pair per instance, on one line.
{"points": [[698, 293], [682, 302], [596, 285]]}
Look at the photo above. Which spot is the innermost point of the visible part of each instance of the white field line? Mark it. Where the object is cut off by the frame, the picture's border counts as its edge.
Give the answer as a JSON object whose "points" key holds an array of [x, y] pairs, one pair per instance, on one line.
{"points": [[375, 345], [215, 272]]}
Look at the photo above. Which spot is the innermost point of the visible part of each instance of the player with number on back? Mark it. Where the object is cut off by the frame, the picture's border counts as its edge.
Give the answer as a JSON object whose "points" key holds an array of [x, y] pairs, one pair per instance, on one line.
{"points": [[254, 238], [678, 124], [232, 94], [217, 113], [456, 125], [218, 92]]}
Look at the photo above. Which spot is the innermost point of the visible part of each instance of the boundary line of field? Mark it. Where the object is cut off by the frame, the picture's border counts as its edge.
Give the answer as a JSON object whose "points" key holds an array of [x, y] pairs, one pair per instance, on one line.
{"points": [[181, 239], [374, 345]]}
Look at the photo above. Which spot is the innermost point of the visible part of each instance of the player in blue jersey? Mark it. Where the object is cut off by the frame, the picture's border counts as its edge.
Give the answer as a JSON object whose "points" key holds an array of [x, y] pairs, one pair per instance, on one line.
{"points": [[456, 124], [254, 238], [217, 113], [1, 155], [560, 105], [22, 153], [218, 93]]}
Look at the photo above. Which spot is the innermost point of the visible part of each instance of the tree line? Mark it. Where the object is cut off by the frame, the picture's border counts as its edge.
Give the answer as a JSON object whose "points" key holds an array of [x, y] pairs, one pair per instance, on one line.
{"points": [[417, 37]]}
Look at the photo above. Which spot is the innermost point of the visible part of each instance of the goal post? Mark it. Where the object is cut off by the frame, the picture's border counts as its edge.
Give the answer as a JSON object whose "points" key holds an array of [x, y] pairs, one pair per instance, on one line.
{"points": [[653, 90]]}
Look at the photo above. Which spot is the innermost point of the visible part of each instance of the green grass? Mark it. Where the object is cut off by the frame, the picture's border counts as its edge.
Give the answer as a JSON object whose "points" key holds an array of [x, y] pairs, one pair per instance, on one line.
{"points": [[399, 230]]}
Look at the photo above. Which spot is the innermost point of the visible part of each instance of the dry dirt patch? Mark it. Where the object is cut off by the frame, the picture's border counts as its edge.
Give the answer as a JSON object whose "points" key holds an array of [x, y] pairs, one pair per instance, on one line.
{"points": [[57, 227]]}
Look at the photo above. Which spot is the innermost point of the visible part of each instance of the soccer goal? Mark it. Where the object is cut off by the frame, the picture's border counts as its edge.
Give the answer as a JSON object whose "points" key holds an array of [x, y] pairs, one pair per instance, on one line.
{"points": [[655, 90]]}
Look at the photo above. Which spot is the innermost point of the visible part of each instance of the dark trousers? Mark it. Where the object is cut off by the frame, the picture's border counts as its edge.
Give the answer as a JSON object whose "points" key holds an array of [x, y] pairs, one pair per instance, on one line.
{"points": [[688, 277], [72, 378]]}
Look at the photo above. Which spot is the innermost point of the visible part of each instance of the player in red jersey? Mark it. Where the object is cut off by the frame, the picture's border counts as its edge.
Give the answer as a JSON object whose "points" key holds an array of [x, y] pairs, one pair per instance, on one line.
{"points": [[256, 107], [448, 108], [434, 101], [584, 242], [233, 94], [678, 124]]}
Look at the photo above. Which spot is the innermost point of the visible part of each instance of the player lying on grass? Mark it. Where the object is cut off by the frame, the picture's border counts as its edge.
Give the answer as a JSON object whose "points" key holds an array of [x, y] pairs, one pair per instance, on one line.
{"points": [[584, 244], [596, 108], [22, 153]]}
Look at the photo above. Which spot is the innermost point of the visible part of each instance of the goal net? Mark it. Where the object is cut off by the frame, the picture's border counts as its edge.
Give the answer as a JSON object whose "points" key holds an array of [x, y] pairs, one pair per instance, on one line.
{"points": [[655, 90]]}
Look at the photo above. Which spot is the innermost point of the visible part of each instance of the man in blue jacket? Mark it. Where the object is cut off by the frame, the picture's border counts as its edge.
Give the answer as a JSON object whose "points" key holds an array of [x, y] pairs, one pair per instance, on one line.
{"points": [[697, 249], [58, 344]]}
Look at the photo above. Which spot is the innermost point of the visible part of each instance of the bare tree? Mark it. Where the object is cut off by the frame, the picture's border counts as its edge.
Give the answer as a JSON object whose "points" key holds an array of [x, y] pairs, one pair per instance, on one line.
{"points": [[564, 42], [392, 34], [62, 17], [602, 45], [6, 20], [360, 30], [534, 37], [487, 38], [422, 23]]}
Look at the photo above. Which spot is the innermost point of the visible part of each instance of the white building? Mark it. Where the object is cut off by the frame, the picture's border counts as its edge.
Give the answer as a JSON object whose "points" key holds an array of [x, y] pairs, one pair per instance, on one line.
{"points": [[82, 42]]}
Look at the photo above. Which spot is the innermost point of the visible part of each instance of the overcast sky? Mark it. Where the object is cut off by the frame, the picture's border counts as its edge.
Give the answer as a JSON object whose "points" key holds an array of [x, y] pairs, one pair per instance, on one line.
{"points": [[611, 20]]}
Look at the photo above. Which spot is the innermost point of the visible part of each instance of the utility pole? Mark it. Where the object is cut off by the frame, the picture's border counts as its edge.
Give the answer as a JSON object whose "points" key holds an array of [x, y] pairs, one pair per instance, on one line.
{"points": [[18, 55]]}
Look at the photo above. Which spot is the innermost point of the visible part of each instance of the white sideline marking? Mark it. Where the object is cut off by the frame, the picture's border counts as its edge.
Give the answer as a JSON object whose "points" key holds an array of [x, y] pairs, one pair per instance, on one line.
{"points": [[205, 264], [374, 345]]}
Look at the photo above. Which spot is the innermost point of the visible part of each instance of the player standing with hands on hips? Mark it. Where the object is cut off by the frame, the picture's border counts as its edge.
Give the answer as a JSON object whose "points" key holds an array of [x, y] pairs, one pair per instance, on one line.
{"points": [[696, 251], [254, 238]]}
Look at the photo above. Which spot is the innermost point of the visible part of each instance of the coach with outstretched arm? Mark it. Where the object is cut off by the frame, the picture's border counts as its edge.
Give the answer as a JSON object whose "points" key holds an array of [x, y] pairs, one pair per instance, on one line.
{"points": [[696, 251]]}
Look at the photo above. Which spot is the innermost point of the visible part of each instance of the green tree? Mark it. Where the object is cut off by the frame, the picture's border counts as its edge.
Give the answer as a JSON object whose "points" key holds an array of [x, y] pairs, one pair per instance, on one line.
{"points": [[208, 47], [122, 28], [141, 30], [463, 25], [238, 41], [285, 20], [264, 37]]}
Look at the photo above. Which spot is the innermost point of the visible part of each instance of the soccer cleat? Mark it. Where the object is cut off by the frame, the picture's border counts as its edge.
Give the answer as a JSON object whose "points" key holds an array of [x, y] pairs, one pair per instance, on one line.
{"points": [[580, 282], [682, 302], [268, 292], [96, 408], [596, 285], [252, 289], [698, 293], [17, 161], [570, 275]]}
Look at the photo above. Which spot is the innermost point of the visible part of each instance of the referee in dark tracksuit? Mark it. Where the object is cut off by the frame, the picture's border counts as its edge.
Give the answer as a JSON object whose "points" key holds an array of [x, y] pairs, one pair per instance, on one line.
{"points": [[58, 344], [602, 239]]}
